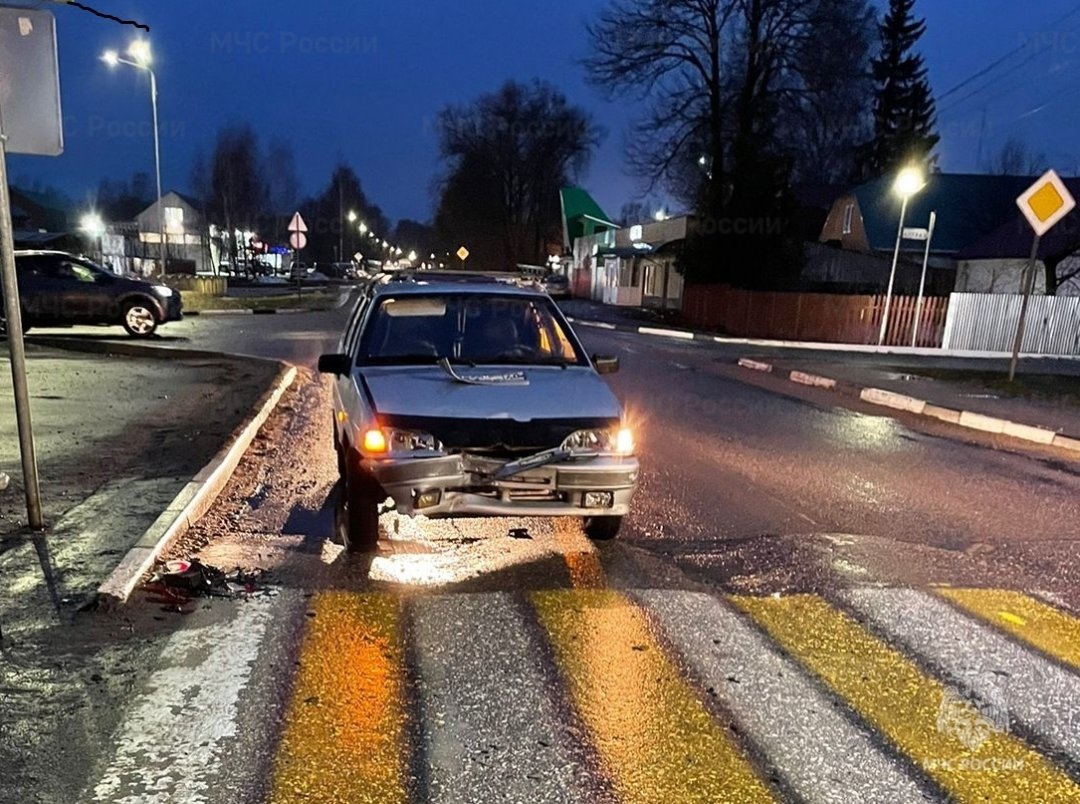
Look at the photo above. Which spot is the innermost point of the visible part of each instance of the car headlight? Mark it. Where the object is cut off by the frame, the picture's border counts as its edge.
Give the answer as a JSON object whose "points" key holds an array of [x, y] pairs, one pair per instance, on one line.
{"points": [[162, 291], [387, 440], [615, 440]]}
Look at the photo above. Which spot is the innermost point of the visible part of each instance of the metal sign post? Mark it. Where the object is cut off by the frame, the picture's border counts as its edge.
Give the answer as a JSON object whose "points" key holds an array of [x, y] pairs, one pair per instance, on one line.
{"points": [[16, 348], [1029, 283], [922, 282], [1044, 204]]}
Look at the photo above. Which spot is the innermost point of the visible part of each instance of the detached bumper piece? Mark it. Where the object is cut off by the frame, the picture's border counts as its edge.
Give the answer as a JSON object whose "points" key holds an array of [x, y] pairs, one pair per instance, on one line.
{"points": [[554, 483]]}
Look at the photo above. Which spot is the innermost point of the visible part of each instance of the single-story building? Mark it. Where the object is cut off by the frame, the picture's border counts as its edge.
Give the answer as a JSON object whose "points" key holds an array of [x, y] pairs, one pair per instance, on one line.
{"points": [[632, 266]]}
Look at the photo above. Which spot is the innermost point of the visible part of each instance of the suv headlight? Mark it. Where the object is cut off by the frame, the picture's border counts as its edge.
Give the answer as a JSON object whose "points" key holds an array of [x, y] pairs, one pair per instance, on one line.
{"points": [[388, 440], [614, 440], [163, 291]]}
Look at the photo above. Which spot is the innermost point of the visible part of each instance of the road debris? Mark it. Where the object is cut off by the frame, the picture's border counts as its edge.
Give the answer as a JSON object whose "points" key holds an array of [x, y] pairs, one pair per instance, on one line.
{"points": [[178, 584]]}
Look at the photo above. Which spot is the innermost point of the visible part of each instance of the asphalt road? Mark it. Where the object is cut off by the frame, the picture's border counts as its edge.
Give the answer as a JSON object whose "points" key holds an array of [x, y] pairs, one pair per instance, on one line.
{"points": [[809, 603]]}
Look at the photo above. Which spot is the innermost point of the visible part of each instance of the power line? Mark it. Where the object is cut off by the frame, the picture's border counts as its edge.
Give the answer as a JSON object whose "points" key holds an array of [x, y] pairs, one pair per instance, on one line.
{"points": [[103, 14], [998, 62]]}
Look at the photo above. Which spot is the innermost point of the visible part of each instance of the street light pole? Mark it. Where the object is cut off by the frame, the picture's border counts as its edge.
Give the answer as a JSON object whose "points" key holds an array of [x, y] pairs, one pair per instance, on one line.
{"points": [[157, 171], [908, 182], [139, 51], [892, 274]]}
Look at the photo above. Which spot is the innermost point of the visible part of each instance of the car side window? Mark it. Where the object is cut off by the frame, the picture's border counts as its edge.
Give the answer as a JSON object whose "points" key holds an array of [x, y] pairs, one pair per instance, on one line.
{"points": [[78, 273], [352, 331]]}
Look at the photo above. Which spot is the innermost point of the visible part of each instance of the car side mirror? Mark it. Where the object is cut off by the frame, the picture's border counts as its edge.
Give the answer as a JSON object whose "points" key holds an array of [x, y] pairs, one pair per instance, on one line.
{"points": [[335, 364], [605, 364]]}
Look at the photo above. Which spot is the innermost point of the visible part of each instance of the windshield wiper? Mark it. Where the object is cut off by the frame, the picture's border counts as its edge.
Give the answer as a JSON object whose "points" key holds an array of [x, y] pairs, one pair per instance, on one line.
{"points": [[516, 378]]}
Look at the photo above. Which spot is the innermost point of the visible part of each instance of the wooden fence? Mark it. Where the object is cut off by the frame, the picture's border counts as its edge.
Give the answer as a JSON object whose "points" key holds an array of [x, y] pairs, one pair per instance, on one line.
{"points": [[819, 317]]}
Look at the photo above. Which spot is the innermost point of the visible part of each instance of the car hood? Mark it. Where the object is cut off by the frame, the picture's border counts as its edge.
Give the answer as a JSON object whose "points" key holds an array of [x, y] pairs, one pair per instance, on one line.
{"points": [[545, 393]]}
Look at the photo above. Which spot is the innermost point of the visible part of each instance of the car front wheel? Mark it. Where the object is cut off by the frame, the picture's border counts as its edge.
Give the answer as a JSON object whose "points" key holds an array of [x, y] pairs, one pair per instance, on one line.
{"points": [[139, 319], [602, 528], [357, 510]]}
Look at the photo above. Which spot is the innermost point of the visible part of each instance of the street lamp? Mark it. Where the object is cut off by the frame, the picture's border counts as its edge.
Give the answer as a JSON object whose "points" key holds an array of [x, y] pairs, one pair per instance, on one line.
{"points": [[352, 216], [140, 57], [363, 228], [909, 181], [94, 227]]}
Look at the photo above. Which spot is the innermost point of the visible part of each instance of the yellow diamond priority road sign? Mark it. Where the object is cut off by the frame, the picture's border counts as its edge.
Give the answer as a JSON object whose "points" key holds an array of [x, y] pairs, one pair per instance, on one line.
{"points": [[1046, 202], [463, 253]]}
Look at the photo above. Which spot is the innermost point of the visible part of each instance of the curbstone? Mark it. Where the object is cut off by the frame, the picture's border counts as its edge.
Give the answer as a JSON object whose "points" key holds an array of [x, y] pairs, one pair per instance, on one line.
{"points": [[1039, 435], [943, 414], [193, 501], [987, 424], [225, 312], [1067, 443], [666, 333], [746, 362], [889, 399], [813, 380]]}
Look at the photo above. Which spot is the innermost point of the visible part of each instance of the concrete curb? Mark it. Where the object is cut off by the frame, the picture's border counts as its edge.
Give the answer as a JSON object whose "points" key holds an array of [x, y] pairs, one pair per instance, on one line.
{"points": [[920, 407], [249, 311], [193, 501]]}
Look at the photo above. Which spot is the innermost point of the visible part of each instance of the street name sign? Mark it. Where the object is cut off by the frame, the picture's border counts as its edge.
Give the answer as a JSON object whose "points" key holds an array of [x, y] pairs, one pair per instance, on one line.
{"points": [[1046, 202], [916, 234]]}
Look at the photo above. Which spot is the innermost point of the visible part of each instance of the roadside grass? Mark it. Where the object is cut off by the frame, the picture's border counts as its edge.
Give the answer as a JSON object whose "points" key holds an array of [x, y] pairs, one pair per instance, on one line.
{"points": [[1059, 387], [313, 300]]}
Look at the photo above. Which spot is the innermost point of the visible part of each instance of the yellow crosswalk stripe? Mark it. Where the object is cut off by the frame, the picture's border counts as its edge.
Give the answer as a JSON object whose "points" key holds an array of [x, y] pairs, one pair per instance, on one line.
{"points": [[1034, 622], [657, 741], [579, 554], [906, 706], [344, 736]]}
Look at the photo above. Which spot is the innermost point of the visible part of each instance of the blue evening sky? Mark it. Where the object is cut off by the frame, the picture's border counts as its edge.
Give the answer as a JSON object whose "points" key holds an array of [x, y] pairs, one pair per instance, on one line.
{"points": [[363, 82]]}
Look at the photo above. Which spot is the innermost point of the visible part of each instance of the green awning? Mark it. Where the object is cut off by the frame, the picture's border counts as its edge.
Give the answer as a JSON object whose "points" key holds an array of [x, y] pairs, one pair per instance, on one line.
{"points": [[582, 216]]}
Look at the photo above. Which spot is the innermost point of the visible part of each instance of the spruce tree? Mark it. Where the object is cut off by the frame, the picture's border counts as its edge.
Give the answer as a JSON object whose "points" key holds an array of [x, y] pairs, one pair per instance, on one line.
{"points": [[904, 115]]}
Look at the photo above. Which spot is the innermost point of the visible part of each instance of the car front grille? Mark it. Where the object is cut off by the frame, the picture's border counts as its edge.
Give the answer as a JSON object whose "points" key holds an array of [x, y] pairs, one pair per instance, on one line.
{"points": [[497, 438]]}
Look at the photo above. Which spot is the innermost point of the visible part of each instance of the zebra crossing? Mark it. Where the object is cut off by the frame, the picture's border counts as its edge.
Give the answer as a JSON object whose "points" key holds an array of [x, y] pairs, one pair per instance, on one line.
{"points": [[640, 695]]}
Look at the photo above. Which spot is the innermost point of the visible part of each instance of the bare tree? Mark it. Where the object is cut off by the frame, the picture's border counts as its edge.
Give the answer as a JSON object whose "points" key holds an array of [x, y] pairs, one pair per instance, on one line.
{"points": [[1016, 159], [742, 96], [508, 154]]}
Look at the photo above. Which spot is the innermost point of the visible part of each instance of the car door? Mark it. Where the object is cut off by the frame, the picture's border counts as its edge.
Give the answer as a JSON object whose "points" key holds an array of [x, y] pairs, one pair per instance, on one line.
{"points": [[39, 289], [82, 293]]}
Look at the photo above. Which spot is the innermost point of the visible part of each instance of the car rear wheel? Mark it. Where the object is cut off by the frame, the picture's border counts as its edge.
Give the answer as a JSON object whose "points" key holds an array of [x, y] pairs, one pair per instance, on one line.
{"points": [[139, 319], [357, 511], [602, 528]]}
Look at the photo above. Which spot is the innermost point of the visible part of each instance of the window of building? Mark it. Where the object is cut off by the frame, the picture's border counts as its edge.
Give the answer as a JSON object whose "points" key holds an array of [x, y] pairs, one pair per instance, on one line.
{"points": [[849, 213]]}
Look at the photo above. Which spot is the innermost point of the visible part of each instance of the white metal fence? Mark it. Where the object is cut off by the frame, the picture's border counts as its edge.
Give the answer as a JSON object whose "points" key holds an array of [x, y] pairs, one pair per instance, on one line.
{"points": [[987, 322]]}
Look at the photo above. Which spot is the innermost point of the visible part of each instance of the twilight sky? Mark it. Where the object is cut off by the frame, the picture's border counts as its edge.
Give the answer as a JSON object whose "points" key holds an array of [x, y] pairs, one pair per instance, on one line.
{"points": [[353, 80]]}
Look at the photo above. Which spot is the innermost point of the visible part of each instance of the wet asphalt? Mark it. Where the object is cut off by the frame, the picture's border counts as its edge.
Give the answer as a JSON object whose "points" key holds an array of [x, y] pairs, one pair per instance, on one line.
{"points": [[710, 654]]}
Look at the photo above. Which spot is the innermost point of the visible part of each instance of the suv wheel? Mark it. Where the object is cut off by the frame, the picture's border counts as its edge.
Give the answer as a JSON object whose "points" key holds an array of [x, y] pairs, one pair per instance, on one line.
{"points": [[602, 528], [139, 319], [357, 512]]}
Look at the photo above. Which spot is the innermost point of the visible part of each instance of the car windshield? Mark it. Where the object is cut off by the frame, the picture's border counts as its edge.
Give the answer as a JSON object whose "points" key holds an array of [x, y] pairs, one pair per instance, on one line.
{"points": [[476, 329]]}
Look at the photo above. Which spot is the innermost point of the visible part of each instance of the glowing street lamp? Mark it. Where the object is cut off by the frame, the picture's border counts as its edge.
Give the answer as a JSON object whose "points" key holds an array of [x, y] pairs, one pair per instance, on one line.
{"points": [[94, 227], [909, 181], [140, 57], [412, 256], [363, 228], [352, 216]]}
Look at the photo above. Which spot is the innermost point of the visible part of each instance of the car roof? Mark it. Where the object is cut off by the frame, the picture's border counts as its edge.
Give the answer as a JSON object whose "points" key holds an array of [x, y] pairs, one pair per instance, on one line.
{"points": [[431, 283], [42, 252]]}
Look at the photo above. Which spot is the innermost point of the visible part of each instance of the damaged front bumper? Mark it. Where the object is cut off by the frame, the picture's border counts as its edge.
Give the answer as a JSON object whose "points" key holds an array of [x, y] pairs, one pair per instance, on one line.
{"points": [[548, 484]]}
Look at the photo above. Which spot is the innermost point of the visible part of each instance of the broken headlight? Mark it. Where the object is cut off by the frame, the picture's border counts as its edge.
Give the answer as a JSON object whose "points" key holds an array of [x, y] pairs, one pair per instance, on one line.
{"points": [[614, 440]]}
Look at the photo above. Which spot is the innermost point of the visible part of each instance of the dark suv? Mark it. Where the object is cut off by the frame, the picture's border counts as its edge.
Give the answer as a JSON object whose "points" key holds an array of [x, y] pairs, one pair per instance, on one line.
{"points": [[59, 289]]}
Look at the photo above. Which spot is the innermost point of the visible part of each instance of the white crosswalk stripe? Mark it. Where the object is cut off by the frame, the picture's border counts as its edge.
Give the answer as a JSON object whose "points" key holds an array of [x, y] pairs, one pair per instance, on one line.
{"points": [[1014, 682], [823, 756], [491, 730]]}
